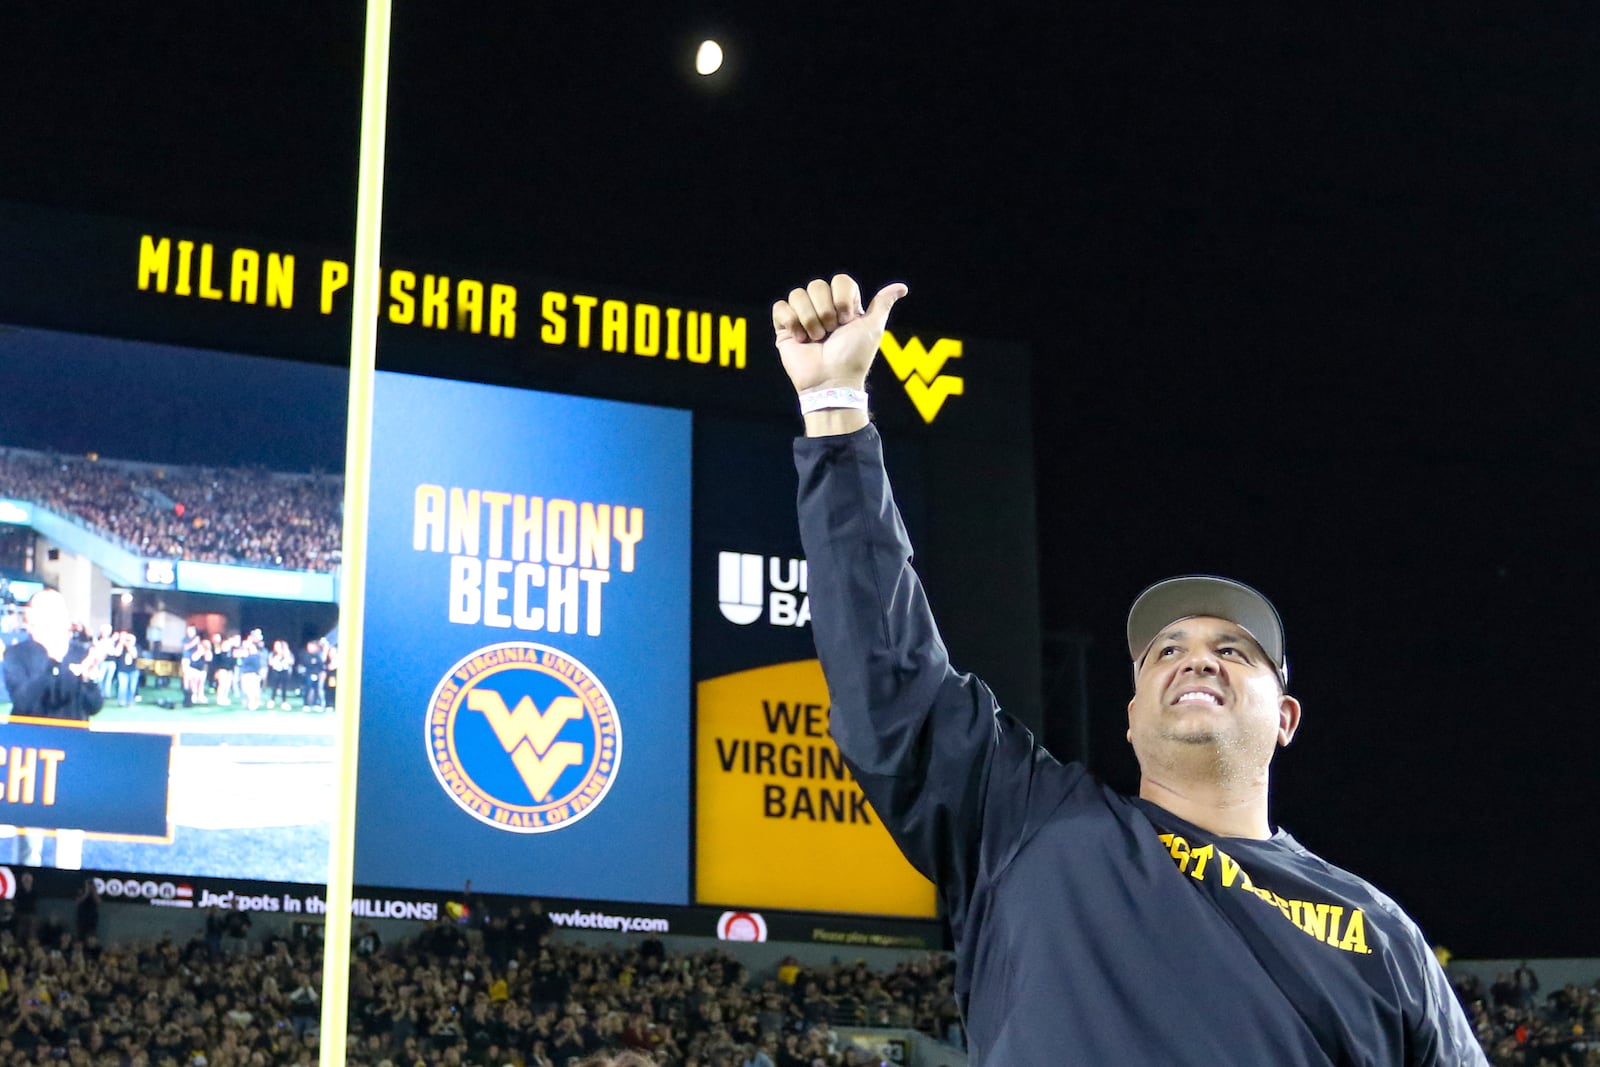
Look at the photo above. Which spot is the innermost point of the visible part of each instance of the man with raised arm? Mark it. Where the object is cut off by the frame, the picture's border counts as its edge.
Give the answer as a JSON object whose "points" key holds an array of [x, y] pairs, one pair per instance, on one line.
{"points": [[1174, 927]]}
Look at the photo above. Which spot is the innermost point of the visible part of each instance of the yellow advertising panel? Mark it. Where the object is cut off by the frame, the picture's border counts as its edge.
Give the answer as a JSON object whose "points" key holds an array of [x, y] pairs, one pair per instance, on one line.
{"points": [[780, 821]]}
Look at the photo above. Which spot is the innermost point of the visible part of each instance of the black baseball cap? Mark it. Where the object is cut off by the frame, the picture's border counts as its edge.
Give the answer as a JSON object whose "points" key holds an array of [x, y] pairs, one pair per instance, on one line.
{"points": [[1189, 595]]}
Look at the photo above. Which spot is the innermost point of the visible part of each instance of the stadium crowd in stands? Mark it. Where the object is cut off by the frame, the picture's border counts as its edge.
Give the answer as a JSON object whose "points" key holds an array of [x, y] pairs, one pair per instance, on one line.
{"points": [[210, 514], [449, 997], [510, 994], [1518, 1028]]}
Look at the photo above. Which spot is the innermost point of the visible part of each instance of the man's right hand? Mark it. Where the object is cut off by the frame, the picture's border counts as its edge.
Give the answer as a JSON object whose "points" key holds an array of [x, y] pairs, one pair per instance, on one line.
{"points": [[827, 339]]}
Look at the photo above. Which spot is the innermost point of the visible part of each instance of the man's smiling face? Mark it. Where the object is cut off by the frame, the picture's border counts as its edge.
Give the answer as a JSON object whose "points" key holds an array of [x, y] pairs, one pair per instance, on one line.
{"points": [[1205, 683]]}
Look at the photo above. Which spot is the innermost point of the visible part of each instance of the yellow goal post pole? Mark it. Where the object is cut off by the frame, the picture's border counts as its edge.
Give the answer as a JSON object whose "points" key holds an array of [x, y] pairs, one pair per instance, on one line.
{"points": [[352, 578]]}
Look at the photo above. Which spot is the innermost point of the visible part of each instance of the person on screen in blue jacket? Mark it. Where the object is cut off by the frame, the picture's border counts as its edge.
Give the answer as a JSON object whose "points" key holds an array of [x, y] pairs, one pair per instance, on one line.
{"points": [[1174, 927]]}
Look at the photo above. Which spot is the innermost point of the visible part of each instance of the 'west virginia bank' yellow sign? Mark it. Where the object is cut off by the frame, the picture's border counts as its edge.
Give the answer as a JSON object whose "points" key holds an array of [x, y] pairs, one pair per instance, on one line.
{"points": [[273, 279], [780, 822]]}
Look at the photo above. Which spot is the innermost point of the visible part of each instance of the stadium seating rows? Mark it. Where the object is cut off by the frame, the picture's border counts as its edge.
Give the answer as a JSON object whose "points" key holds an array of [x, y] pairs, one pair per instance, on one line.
{"points": [[210, 514], [448, 997], [511, 993]]}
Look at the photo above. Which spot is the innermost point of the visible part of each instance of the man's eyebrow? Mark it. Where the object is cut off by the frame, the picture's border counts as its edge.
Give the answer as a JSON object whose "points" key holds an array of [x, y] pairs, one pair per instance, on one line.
{"points": [[1224, 637]]}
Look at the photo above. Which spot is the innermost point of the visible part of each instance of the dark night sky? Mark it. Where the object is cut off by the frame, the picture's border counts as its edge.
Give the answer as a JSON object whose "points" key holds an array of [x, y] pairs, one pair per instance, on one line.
{"points": [[1310, 296]]}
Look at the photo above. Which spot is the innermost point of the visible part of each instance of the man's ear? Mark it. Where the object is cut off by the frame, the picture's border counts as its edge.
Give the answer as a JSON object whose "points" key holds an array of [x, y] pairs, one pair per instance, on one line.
{"points": [[1129, 734], [1288, 718]]}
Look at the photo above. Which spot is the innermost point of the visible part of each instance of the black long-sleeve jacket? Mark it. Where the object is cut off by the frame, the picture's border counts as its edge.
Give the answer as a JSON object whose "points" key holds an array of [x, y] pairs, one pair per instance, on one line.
{"points": [[1091, 928], [39, 686]]}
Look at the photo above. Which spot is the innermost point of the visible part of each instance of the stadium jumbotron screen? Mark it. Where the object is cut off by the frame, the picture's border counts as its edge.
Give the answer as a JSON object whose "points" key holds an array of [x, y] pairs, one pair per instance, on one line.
{"points": [[588, 671]]}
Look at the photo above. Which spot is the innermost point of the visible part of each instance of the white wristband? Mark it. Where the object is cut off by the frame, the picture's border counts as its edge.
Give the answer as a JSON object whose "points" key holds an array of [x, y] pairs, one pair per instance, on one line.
{"points": [[832, 397]]}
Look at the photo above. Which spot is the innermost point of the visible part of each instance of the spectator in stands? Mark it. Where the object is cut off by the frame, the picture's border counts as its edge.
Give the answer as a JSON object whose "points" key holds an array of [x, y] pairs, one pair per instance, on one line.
{"points": [[550, 984], [444, 1028], [365, 941], [539, 926], [88, 911], [757, 1056], [25, 907], [497, 939], [236, 925], [790, 1054], [1527, 985], [566, 1041], [305, 1004], [816, 1006]]}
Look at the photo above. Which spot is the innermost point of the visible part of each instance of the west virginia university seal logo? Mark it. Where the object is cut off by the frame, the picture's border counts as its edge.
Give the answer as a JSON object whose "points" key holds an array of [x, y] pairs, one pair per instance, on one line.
{"points": [[523, 737]]}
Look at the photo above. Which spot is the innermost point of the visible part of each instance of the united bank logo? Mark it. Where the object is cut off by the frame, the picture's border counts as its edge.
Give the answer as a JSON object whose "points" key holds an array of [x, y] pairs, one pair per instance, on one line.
{"points": [[919, 369], [523, 737], [750, 586]]}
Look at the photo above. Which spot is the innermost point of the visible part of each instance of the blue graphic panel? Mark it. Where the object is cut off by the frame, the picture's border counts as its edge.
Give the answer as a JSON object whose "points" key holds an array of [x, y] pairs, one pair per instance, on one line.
{"points": [[525, 718], [70, 777]]}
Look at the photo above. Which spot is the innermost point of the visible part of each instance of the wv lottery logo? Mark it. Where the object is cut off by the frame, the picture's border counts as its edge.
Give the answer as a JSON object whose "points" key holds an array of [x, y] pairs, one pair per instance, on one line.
{"points": [[523, 737]]}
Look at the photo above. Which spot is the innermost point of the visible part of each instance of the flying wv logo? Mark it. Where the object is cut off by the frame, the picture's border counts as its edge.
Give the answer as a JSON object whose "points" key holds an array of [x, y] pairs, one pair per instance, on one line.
{"points": [[918, 370], [509, 764], [530, 738]]}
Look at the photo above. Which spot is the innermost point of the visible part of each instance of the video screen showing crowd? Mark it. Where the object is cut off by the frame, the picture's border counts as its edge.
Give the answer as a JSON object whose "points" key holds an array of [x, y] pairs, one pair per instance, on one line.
{"points": [[248, 517], [230, 515], [245, 685]]}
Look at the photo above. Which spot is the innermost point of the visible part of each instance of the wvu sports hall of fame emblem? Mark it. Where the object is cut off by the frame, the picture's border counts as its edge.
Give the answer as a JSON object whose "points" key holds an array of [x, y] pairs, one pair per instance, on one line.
{"points": [[523, 737]]}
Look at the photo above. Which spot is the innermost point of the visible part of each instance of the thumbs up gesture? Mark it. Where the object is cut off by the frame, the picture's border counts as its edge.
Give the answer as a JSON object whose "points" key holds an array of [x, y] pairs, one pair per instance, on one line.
{"points": [[824, 335]]}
